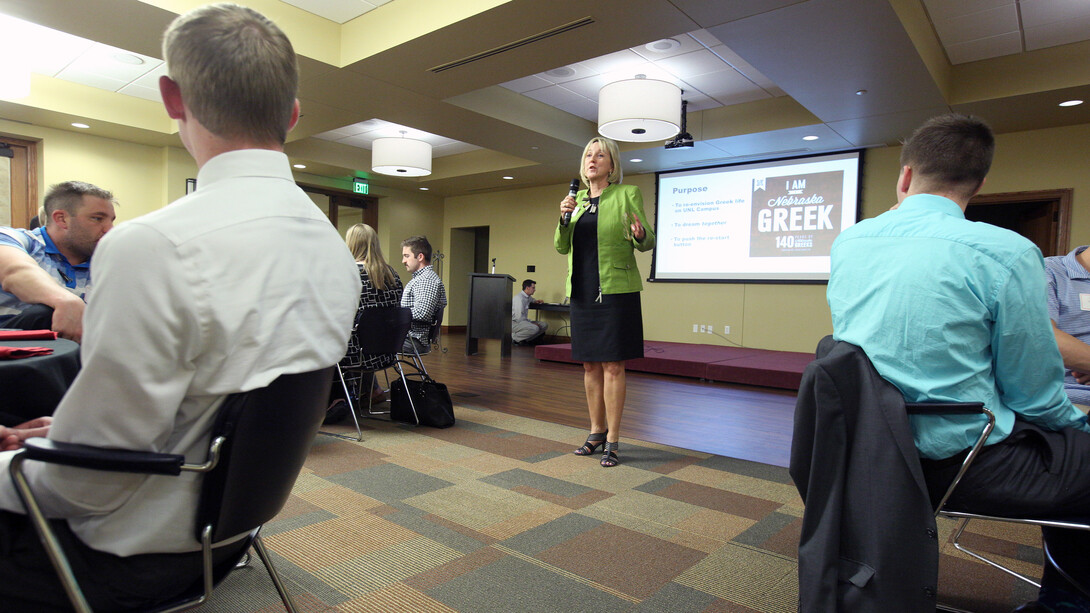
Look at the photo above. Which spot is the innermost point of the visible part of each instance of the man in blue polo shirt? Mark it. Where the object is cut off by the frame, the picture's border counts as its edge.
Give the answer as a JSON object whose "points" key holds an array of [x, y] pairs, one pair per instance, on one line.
{"points": [[45, 272], [1069, 310], [950, 310]]}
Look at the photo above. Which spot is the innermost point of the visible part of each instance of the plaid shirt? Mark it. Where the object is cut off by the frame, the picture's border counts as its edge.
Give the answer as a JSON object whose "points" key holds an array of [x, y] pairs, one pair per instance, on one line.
{"points": [[426, 296]]}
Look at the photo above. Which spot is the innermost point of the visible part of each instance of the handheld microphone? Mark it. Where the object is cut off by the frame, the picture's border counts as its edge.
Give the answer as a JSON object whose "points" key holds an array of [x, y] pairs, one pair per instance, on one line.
{"points": [[572, 189]]}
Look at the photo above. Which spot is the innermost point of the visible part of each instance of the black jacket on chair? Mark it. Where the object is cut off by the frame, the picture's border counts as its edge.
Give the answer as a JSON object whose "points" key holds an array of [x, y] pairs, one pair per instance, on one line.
{"points": [[869, 539]]}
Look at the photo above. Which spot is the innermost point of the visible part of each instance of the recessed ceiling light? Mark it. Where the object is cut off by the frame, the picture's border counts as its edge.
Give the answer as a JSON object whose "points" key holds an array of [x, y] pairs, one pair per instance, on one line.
{"points": [[81, 126], [636, 160], [1071, 103], [563, 71], [861, 92], [128, 58], [508, 178], [423, 189], [810, 137], [662, 46], [300, 166]]}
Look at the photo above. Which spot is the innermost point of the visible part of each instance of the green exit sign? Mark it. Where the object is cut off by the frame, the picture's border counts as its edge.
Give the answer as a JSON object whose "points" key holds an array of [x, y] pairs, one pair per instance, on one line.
{"points": [[360, 186]]}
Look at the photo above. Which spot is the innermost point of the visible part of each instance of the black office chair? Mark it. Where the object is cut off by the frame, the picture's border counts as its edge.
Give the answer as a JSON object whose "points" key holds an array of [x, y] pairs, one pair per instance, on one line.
{"points": [[258, 444], [379, 331], [434, 337]]}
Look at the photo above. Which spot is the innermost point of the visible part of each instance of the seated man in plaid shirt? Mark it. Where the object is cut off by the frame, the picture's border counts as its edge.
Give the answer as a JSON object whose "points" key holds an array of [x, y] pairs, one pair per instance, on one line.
{"points": [[424, 293]]}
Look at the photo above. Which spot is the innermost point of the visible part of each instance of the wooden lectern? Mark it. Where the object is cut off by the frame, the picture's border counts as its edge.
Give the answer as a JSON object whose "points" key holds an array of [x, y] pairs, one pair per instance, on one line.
{"points": [[489, 311]]}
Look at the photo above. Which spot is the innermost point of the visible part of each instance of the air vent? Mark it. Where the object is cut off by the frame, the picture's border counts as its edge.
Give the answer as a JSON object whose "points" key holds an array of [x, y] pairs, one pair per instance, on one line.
{"points": [[568, 27]]}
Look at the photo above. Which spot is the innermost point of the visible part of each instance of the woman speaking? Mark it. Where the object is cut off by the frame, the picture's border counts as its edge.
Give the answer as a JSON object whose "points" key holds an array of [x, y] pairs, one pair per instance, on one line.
{"points": [[598, 230]]}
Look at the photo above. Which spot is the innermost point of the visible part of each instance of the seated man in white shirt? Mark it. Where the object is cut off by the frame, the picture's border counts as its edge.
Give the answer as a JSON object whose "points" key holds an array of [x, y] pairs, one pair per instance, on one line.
{"points": [[522, 329], [215, 294]]}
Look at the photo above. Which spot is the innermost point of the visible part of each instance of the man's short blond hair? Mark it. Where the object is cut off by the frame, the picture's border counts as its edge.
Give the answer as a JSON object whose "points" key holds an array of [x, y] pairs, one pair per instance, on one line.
{"points": [[236, 71]]}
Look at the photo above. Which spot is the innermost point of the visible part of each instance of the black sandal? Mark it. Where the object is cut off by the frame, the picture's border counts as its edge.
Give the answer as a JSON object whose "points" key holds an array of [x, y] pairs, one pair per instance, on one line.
{"points": [[609, 455], [594, 441]]}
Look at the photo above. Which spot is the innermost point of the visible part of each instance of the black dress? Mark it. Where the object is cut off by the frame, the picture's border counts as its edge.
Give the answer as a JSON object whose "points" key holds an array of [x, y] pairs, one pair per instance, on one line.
{"points": [[609, 329]]}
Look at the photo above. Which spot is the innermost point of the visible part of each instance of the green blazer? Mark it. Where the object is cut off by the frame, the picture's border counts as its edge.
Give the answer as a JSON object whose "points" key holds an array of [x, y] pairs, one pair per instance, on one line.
{"points": [[617, 270]]}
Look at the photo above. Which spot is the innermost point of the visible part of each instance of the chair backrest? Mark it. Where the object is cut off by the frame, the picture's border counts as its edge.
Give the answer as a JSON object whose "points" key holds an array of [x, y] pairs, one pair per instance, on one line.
{"points": [[269, 432], [436, 326], [382, 330]]}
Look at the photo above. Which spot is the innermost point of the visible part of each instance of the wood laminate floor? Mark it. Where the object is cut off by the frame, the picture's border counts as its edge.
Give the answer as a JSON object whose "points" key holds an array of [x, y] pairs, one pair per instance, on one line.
{"points": [[747, 422]]}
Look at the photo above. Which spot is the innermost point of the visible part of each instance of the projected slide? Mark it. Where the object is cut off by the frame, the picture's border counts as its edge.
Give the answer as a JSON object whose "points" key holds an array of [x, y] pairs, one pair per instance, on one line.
{"points": [[773, 220]]}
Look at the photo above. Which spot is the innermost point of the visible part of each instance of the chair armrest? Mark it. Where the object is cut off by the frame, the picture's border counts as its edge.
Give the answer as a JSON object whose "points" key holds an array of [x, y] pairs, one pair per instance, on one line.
{"points": [[944, 408], [99, 458]]}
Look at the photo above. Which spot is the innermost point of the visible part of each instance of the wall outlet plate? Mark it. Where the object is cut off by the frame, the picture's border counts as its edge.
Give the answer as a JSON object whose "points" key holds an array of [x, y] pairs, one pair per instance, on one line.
{"points": [[726, 329]]}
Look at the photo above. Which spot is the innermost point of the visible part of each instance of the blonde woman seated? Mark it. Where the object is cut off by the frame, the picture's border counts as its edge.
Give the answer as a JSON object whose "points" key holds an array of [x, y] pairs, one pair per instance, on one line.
{"points": [[381, 288]]}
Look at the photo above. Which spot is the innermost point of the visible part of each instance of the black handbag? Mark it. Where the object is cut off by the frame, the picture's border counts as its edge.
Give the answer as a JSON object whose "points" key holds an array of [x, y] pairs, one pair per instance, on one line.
{"points": [[431, 399]]}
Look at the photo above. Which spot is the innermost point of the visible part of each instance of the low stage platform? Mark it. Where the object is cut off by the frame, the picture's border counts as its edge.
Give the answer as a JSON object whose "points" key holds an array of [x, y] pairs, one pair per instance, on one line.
{"points": [[780, 369]]}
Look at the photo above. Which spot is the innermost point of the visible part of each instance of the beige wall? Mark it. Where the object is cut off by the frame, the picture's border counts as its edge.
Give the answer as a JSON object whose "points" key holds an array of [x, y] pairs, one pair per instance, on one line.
{"points": [[790, 317], [143, 178], [521, 222]]}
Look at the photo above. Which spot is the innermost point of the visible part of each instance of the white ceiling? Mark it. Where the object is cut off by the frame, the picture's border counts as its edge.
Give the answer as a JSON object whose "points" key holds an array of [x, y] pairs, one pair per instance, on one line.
{"points": [[754, 88], [973, 30], [339, 11]]}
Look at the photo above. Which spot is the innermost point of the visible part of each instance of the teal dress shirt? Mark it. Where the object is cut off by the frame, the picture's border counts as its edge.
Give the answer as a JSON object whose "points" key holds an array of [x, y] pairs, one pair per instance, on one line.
{"points": [[951, 310]]}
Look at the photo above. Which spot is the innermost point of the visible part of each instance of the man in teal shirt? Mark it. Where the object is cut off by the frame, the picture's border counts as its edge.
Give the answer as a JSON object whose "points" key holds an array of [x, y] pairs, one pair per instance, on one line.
{"points": [[952, 310]]}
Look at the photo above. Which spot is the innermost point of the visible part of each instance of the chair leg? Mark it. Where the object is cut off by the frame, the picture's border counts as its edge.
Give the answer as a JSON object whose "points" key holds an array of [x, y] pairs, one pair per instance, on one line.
{"points": [[351, 411], [412, 405], [45, 535], [259, 546], [964, 549]]}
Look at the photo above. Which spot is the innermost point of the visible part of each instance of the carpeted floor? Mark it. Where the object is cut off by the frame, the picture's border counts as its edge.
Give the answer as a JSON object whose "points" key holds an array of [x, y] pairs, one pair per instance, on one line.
{"points": [[497, 514]]}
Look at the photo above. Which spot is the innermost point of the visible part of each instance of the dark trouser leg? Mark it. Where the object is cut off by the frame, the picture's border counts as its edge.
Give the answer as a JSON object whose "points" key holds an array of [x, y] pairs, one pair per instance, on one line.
{"points": [[1034, 473], [34, 317], [108, 582]]}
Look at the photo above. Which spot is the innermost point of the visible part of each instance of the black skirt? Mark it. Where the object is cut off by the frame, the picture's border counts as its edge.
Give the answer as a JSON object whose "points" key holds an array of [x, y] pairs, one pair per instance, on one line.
{"points": [[606, 331]]}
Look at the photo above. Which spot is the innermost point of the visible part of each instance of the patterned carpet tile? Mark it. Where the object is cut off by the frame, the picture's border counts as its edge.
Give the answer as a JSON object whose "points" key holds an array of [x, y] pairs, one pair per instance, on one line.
{"points": [[629, 562], [497, 514]]}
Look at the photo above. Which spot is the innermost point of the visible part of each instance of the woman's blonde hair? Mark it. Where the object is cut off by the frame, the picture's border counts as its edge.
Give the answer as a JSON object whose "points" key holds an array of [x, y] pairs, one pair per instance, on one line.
{"points": [[616, 174], [363, 243]]}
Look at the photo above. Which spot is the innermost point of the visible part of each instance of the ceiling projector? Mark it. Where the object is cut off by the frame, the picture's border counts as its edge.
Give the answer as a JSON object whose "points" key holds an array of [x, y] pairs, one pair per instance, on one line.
{"points": [[681, 140]]}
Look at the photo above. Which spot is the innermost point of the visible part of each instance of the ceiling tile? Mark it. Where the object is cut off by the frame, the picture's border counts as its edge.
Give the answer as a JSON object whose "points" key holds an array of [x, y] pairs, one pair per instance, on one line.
{"points": [[526, 84], [339, 11], [946, 9], [1058, 33], [743, 67], [614, 61], [554, 95], [563, 74], [665, 48], [1040, 12], [587, 109], [693, 63], [982, 24], [588, 87], [984, 48], [141, 91], [724, 84], [94, 80]]}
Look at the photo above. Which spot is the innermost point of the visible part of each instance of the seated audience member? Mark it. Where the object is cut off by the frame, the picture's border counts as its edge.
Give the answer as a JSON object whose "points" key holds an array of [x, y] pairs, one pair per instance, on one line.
{"points": [[381, 288], [215, 294], [950, 311], [522, 329], [46, 272], [424, 293], [1069, 310]]}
